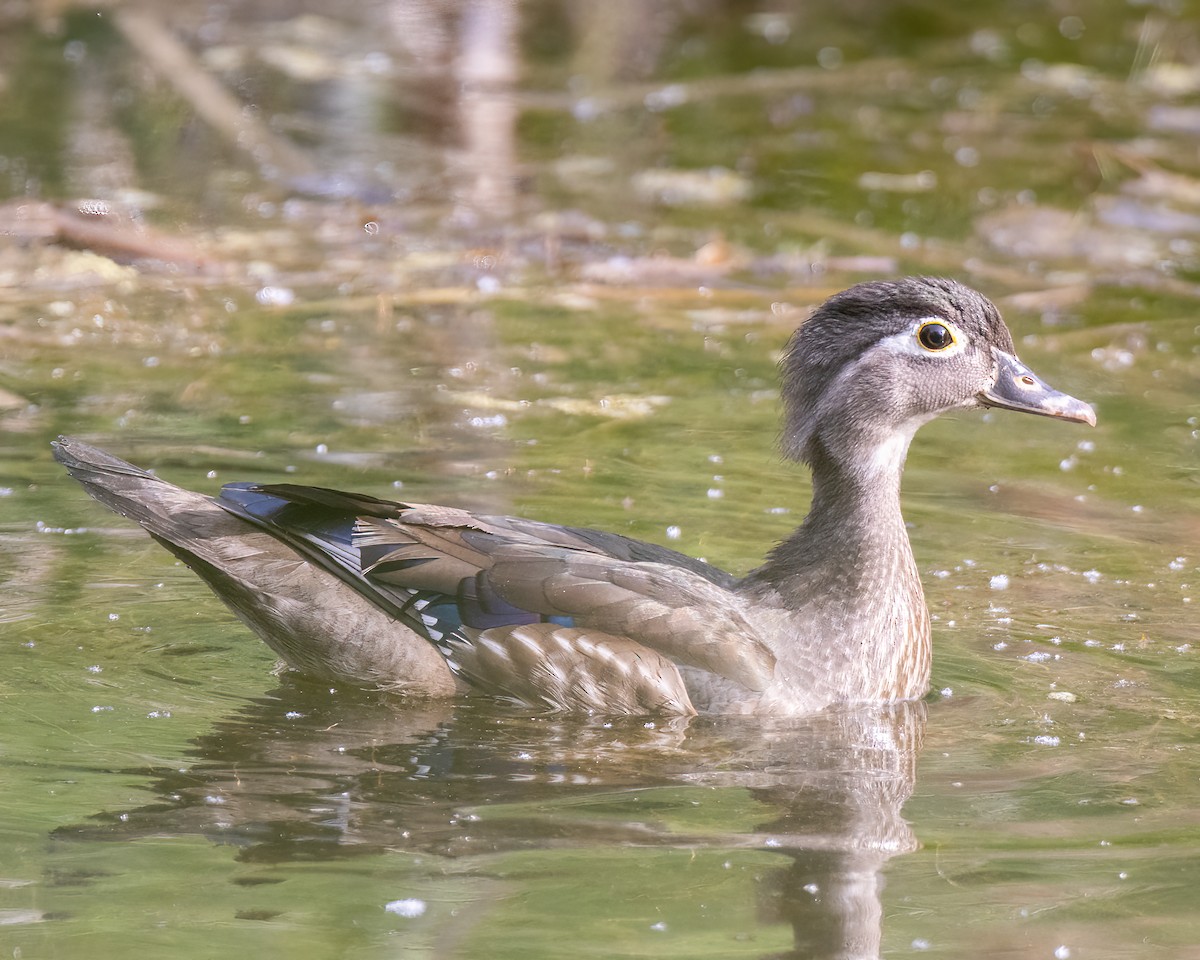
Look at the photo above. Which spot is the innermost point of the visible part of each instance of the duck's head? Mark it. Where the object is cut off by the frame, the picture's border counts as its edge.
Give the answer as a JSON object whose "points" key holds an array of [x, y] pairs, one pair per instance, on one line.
{"points": [[877, 361]]}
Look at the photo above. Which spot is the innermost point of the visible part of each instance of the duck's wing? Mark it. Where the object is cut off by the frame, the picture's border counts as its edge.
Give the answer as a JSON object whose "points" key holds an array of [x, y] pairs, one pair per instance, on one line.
{"points": [[458, 574], [317, 623]]}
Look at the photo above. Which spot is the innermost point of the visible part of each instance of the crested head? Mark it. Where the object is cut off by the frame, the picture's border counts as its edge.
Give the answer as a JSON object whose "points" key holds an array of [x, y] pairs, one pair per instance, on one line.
{"points": [[875, 362]]}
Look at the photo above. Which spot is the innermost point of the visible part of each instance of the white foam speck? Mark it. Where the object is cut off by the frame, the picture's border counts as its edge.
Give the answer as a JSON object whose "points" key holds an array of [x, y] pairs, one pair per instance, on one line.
{"points": [[410, 908], [275, 296]]}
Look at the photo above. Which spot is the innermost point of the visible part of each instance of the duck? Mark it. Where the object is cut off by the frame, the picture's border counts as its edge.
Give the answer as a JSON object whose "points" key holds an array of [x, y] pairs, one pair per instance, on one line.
{"points": [[434, 601]]}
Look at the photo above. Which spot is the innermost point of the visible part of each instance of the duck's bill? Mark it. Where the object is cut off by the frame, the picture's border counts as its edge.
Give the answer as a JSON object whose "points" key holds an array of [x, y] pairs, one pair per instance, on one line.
{"points": [[1018, 388]]}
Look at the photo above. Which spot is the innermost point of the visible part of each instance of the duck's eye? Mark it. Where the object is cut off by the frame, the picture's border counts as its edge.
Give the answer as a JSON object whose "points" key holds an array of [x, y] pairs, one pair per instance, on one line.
{"points": [[935, 336]]}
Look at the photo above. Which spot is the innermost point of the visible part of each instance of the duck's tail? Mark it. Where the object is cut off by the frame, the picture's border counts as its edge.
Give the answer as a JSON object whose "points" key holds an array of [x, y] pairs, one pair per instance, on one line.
{"points": [[167, 512], [317, 623]]}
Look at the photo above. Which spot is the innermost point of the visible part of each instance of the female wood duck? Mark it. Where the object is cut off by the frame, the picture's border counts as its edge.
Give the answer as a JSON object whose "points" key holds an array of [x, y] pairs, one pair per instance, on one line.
{"points": [[436, 601]]}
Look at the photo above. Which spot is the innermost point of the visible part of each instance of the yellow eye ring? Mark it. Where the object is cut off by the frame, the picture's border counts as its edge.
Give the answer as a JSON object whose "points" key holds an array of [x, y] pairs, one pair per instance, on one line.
{"points": [[934, 336]]}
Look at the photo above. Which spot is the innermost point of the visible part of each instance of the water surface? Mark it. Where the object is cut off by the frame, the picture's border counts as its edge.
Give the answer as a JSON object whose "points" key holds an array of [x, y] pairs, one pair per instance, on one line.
{"points": [[542, 260]]}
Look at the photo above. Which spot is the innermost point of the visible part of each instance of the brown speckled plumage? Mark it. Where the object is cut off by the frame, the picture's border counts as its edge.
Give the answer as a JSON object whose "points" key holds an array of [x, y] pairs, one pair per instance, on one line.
{"points": [[432, 600]]}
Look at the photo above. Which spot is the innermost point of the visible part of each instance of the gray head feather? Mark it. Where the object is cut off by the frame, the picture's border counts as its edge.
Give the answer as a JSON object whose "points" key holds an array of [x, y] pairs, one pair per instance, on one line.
{"points": [[846, 327]]}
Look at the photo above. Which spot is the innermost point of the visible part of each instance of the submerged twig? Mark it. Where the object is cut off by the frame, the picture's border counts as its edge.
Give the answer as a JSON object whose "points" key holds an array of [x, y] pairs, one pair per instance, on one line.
{"points": [[101, 233]]}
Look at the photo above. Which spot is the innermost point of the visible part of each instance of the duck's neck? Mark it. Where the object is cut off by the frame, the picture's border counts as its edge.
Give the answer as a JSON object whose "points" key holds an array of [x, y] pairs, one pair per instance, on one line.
{"points": [[847, 585]]}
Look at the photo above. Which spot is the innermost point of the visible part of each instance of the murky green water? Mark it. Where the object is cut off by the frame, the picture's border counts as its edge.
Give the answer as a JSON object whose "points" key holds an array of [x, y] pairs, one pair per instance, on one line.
{"points": [[386, 312]]}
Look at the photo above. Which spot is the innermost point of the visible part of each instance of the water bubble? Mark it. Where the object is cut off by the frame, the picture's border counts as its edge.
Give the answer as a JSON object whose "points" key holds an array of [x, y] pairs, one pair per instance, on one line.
{"points": [[586, 109], [409, 909], [966, 157], [93, 208], [830, 57], [1071, 28], [775, 28], [377, 62], [999, 582], [275, 296], [673, 95]]}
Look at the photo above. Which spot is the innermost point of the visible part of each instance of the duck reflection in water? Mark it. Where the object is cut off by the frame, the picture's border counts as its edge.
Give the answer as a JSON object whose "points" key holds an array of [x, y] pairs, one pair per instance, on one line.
{"points": [[303, 776]]}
